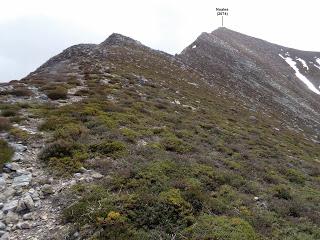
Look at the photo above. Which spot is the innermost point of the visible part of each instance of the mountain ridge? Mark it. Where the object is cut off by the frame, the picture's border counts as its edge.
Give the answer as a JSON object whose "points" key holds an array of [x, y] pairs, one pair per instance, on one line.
{"points": [[119, 141]]}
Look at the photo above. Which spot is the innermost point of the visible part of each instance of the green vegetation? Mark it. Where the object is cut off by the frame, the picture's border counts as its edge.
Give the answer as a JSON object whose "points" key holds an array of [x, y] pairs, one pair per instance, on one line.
{"points": [[21, 91], [19, 134], [4, 124], [108, 148], [211, 227], [64, 157], [6, 153], [182, 161], [59, 92]]}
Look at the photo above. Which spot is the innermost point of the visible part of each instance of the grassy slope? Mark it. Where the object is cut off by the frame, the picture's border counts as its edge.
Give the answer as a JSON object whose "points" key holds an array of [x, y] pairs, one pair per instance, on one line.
{"points": [[178, 170]]}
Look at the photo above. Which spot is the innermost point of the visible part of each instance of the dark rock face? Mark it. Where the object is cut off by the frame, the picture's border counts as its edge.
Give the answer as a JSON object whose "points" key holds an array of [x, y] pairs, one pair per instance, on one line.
{"points": [[253, 70]]}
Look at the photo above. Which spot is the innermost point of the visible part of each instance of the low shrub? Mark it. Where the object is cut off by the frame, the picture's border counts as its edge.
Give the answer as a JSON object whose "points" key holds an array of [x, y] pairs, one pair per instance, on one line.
{"points": [[295, 176], [64, 157], [9, 112], [58, 92], [282, 192], [220, 227], [108, 148], [72, 131], [129, 134], [6, 153], [58, 149], [83, 92], [174, 144], [4, 124], [19, 134], [21, 92]]}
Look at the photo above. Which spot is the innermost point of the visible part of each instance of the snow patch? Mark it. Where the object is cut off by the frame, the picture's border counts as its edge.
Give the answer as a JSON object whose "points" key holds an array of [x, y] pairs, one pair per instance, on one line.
{"points": [[306, 81], [194, 46], [316, 66], [194, 84], [176, 102], [303, 63], [318, 61]]}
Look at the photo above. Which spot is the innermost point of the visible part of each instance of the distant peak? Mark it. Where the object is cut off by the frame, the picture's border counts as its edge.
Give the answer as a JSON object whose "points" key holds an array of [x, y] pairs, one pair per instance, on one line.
{"points": [[118, 39], [222, 30]]}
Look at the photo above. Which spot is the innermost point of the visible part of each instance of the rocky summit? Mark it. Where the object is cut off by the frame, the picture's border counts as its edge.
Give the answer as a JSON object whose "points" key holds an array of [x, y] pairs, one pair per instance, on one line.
{"points": [[119, 141]]}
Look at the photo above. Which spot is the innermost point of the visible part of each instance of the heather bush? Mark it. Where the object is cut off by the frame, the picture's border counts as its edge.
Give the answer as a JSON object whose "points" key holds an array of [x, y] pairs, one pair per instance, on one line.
{"points": [[6, 153], [58, 92], [4, 124]]}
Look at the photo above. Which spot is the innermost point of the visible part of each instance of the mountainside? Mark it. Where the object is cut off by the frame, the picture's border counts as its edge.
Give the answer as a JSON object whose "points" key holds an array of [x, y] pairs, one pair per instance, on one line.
{"points": [[119, 141], [257, 72]]}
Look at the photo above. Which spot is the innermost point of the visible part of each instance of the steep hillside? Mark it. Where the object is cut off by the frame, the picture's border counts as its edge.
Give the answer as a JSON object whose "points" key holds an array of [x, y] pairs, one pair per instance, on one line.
{"points": [[258, 73], [219, 142]]}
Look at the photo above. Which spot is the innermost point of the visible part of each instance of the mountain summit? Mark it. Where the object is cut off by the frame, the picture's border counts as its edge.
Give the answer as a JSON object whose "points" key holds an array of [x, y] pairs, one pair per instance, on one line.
{"points": [[262, 74], [119, 141]]}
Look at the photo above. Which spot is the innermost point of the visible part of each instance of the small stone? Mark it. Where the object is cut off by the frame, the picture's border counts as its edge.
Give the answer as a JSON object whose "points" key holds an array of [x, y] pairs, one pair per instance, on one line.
{"points": [[2, 181], [2, 226], [2, 233], [21, 181], [27, 216], [25, 203], [5, 236], [252, 118], [142, 143], [97, 175], [20, 172], [256, 198], [37, 204], [1, 215], [44, 217], [17, 157], [47, 189], [73, 182], [11, 217], [28, 202], [1, 205], [24, 225], [21, 206], [12, 166], [9, 192], [20, 148], [10, 206], [77, 175]]}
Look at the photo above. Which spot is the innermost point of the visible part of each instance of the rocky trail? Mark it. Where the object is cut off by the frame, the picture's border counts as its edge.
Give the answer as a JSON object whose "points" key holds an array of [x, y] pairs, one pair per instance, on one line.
{"points": [[27, 190]]}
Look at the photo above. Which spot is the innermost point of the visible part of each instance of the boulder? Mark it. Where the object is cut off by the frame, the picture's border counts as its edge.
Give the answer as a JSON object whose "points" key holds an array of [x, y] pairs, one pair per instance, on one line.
{"points": [[4, 235], [2, 181], [4, 196], [12, 166], [10, 206], [97, 175], [22, 180], [27, 216], [24, 225], [2, 226], [11, 217], [47, 189], [25, 203]]}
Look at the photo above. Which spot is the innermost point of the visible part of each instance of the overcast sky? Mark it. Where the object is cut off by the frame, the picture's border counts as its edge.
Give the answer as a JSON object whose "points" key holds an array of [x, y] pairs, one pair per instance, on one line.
{"points": [[32, 31]]}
